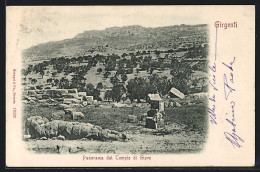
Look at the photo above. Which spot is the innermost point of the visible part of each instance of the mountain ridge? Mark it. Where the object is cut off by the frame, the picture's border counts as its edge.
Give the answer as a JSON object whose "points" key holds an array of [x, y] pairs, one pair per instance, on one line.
{"points": [[126, 38]]}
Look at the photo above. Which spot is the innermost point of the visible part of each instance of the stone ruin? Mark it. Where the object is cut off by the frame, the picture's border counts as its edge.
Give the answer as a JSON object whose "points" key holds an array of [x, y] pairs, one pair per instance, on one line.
{"points": [[38, 127]]}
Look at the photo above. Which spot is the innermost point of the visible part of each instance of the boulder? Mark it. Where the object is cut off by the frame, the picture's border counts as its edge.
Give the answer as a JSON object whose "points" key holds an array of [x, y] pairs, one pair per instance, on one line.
{"points": [[62, 127], [77, 115], [114, 132], [43, 138], [112, 136], [85, 130], [94, 131], [60, 137], [54, 127], [47, 128], [76, 131]]}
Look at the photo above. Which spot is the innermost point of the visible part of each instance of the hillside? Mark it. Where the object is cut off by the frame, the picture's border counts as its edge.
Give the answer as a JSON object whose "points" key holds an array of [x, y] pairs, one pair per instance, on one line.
{"points": [[116, 40]]}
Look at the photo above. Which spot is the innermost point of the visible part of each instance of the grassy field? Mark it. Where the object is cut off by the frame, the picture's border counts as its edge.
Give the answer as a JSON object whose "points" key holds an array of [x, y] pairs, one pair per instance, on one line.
{"points": [[191, 138], [193, 117]]}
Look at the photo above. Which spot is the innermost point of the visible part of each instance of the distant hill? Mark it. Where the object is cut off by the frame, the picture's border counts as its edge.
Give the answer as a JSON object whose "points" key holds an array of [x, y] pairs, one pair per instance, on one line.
{"points": [[114, 39]]}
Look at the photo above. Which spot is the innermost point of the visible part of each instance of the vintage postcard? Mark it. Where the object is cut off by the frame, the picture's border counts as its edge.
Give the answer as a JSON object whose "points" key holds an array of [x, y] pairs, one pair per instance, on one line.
{"points": [[130, 86]]}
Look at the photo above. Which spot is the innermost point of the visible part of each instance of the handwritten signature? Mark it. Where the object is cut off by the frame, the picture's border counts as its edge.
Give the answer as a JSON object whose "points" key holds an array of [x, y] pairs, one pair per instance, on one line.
{"points": [[232, 136], [213, 83], [227, 88], [212, 110], [229, 84]]}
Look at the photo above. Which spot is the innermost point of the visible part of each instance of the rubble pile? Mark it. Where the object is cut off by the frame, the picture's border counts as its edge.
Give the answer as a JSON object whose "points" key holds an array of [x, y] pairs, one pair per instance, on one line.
{"points": [[40, 127]]}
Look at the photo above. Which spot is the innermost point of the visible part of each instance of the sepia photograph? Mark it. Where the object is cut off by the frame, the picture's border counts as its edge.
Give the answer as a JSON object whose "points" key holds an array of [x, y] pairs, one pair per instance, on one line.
{"points": [[121, 89], [119, 83]]}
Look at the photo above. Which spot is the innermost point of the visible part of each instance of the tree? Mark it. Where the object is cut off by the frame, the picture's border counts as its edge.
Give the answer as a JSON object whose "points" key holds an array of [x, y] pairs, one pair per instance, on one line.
{"points": [[181, 76], [162, 66], [134, 60], [99, 70], [33, 81], [64, 83], [56, 82], [151, 70], [106, 74], [42, 73], [124, 77], [96, 94], [120, 70], [53, 61], [80, 59], [73, 60], [123, 55], [160, 60], [144, 66], [155, 64], [29, 69], [158, 84], [60, 67], [137, 70], [78, 81], [130, 71], [157, 53], [117, 92], [49, 80], [24, 73], [124, 97], [114, 80], [147, 59], [54, 74], [108, 95], [111, 63], [37, 68], [137, 88], [99, 86], [91, 91]]}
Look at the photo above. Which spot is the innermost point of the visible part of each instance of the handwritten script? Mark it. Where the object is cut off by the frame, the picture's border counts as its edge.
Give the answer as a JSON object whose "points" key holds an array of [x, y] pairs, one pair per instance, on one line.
{"points": [[231, 135], [228, 80], [212, 84]]}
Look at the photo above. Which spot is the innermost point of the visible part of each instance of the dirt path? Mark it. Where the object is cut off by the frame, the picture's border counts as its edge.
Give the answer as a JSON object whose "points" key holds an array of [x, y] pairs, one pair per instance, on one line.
{"points": [[138, 143]]}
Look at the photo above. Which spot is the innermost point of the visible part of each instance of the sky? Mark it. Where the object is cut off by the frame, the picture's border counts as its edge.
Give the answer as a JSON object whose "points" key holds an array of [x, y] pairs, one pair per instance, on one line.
{"points": [[43, 24]]}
